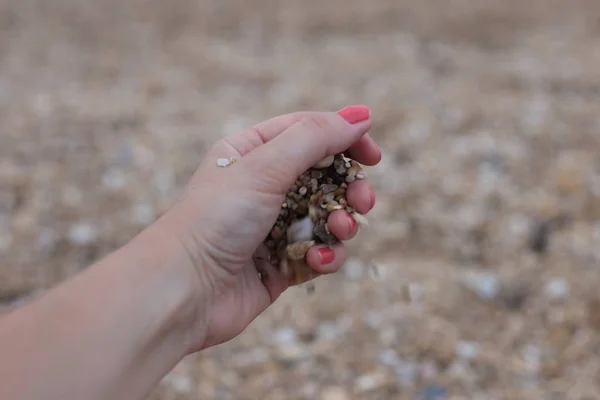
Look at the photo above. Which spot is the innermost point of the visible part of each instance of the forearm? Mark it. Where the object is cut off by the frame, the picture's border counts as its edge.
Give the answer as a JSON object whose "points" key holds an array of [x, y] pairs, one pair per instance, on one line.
{"points": [[110, 333]]}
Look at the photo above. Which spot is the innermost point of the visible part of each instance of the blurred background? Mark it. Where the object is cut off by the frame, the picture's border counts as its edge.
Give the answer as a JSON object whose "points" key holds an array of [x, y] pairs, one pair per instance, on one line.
{"points": [[478, 277]]}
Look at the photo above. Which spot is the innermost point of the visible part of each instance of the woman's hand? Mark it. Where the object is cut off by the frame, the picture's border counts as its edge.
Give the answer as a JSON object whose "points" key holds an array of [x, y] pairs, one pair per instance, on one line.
{"points": [[224, 214]]}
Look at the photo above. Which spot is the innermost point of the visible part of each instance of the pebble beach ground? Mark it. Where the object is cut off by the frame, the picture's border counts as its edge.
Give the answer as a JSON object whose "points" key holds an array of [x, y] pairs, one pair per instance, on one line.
{"points": [[478, 276]]}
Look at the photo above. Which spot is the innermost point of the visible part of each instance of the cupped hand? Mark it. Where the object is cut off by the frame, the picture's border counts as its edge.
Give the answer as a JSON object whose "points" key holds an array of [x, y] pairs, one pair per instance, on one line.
{"points": [[224, 214]]}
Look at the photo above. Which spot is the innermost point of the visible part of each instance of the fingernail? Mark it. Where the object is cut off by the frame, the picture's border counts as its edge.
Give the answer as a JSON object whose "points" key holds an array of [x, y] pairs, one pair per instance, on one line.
{"points": [[355, 114], [352, 224], [372, 200], [327, 255]]}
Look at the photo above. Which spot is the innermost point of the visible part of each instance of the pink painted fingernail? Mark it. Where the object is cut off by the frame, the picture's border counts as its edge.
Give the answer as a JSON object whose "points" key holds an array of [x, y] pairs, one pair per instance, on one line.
{"points": [[327, 255], [355, 114], [352, 224]]}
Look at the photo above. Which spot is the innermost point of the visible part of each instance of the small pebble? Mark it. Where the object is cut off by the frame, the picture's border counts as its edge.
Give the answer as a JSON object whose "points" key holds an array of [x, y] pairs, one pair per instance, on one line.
{"points": [[557, 289], [367, 383], [292, 354], [428, 370], [251, 358], [165, 180], [433, 392], [83, 234], [467, 350], [285, 336], [47, 240], [374, 319], [223, 162], [179, 383], [486, 285], [407, 374], [114, 179], [6, 240], [327, 331], [144, 214], [389, 358], [334, 393]]}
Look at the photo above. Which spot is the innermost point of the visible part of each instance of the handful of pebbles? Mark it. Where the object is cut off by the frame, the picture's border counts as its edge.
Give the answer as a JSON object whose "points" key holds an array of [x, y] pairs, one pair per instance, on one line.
{"points": [[302, 220]]}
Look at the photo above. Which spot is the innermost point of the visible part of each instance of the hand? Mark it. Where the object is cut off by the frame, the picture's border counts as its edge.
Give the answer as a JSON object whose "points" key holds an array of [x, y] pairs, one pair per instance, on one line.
{"points": [[224, 214]]}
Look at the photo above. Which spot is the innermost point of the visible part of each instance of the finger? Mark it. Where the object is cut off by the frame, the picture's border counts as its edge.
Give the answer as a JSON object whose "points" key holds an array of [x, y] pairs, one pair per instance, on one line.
{"points": [[263, 132], [272, 280], [308, 141], [361, 196], [326, 259], [341, 225], [265, 277], [365, 151]]}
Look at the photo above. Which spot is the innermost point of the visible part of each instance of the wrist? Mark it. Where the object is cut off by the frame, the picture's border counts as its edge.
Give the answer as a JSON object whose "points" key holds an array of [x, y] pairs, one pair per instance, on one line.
{"points": [[180, 289], [185, 254]]}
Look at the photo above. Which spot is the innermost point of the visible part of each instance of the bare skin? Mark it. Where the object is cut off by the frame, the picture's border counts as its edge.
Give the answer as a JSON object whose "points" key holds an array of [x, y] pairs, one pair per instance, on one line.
{"points": [[190, 280]]}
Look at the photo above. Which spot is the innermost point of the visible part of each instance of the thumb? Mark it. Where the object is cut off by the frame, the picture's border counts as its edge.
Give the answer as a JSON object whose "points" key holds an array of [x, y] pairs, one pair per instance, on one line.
{"points": [[303, 144]]}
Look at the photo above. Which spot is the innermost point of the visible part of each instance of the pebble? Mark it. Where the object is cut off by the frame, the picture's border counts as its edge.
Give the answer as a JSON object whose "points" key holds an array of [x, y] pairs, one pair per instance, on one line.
{"points": [[47, 240], [114, 179], [367, 383], [433, 392], [389, 358], [165, 180], [467, 350], [334, 393], [6, 240], [327, 331], [428, 370], [251, 358], [83, 234], [407, 373], [557, 289], [144, 214], [285, 336], [292, 353], [223, 162], [485, 284], [374, 319], [179, 383]]}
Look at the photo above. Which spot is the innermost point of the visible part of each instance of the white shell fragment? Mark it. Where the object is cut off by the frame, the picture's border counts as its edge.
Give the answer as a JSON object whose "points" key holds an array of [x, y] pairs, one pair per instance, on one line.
{"points": [[225, 162], [300, 230]]}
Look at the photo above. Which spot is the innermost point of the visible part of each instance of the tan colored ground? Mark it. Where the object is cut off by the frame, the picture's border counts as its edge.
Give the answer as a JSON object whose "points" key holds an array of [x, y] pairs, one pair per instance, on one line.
{"points": [[488, 112]]}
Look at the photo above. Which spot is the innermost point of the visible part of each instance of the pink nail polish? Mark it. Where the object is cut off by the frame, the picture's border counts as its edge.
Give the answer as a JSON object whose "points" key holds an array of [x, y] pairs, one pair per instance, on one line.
{"points": [[352, 224], [327, 255], [355, 114]]}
